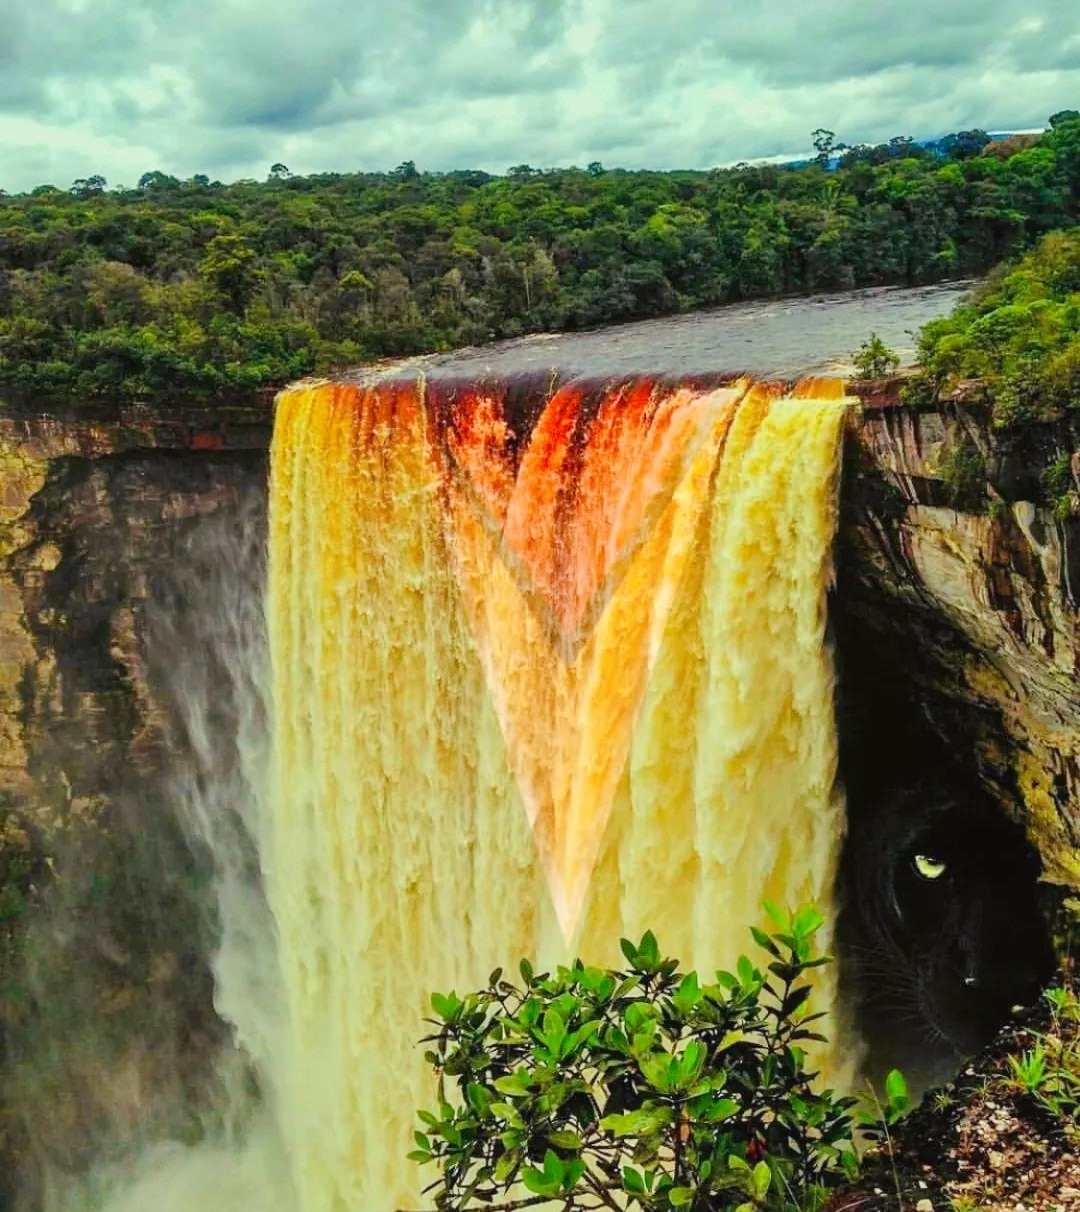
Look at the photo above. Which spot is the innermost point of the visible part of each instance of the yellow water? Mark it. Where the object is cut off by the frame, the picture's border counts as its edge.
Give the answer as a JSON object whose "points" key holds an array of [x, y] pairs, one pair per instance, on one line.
{"points": [[532, 692]]}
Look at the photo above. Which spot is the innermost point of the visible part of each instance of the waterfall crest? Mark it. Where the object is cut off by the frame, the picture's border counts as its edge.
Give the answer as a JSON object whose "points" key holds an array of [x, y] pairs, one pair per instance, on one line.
{"points": [[549, 667]]}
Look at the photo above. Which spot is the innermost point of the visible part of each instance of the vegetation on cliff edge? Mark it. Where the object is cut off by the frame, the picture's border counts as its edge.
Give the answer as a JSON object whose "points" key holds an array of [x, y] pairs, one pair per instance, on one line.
{"points": [[1019, 334]]}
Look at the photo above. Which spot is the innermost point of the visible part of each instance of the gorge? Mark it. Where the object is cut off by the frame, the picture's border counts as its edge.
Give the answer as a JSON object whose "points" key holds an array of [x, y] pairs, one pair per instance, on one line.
{"points": [[131, 565]]}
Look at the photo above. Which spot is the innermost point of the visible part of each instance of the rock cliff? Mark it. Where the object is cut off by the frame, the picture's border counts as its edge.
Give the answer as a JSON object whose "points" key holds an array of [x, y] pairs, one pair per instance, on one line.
{"points": [[95, 511], [107, 1023], [965, 618]]}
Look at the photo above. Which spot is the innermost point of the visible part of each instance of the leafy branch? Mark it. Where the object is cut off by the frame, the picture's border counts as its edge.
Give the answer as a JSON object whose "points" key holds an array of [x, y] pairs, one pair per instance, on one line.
{"points": [[637, 1088]]}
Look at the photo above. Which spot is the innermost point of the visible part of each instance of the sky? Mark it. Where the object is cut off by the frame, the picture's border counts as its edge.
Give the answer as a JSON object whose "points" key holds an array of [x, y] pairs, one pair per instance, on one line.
{"points": [[230, 87]]}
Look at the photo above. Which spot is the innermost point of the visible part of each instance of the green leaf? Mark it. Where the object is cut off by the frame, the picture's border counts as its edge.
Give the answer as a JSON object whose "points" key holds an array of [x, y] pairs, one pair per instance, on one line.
{"points": [[539, 1183], [777, 916], [657, 1069], [794, 1000], [627, 986], [639, 1123], [632, 1181], [760, 1178], [680, 1197], [807, 921], [723, 1108], [507, 1164], [507, 1112], [526, 970], [445, 1005], [515, 1084], [688, 993], [649, 950], [554, 1029], [692, 1061], [896, 1091], [629, 950], [764, 941], [575, 1168], [581, 1036], [564, 1140]]}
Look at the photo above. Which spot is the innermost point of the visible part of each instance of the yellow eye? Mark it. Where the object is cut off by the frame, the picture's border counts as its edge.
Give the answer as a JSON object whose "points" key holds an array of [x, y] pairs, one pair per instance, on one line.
{"points": [[929, 867]]}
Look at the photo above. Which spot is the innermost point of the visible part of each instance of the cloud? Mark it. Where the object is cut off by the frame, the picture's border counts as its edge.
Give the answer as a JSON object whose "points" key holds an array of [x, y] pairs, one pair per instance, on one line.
{"points": [[229, 87]]}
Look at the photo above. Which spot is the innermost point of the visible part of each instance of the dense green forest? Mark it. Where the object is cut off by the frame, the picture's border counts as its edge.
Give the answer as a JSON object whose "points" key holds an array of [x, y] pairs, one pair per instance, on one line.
{"points": [[1019, 334], [197, 289]]}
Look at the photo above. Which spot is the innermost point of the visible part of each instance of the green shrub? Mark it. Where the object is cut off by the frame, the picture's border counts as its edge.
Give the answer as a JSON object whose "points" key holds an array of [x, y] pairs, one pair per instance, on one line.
{"points": [[1048, 1073], [874, 359], [1060, 487], [962, 470], [641, 1088]]}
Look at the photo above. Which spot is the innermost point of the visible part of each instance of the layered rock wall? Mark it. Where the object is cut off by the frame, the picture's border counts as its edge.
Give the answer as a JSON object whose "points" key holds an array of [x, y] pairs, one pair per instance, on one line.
{"points": [[968, 616], [94, 513]]}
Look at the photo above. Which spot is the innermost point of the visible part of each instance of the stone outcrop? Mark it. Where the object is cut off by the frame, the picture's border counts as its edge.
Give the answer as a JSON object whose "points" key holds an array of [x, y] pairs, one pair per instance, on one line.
{"points": [[966, 617]]}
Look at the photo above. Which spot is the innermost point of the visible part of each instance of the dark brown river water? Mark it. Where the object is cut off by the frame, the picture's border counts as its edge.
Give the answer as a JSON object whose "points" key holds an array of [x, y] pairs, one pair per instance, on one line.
{"points": [[781, 338]]}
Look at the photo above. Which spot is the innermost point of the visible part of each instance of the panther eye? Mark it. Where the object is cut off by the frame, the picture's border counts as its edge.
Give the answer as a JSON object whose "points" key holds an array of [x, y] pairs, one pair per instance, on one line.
{"points": [[928, 867]]}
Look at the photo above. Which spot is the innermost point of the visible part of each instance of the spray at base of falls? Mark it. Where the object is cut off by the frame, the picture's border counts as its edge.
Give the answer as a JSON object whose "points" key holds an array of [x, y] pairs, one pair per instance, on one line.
{"points": [[544, 675], [206, 646]]}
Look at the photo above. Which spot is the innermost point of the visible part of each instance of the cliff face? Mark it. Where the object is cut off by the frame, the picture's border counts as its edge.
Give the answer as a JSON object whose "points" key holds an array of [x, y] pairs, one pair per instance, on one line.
{"points": [[107, 551], [94, 518], [966, 618]]}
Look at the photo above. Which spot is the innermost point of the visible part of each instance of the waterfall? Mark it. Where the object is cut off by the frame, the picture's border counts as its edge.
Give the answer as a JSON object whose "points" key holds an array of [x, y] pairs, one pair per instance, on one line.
{"points": [[549, 667]]}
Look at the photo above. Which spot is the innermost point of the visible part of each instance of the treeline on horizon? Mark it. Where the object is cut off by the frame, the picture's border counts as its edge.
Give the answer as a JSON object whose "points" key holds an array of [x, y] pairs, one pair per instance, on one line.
{"points": [[194, 289]]}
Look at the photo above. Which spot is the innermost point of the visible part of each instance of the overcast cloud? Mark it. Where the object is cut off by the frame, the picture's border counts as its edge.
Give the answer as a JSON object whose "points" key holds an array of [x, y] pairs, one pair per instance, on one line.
{"points": [[229, 87]]}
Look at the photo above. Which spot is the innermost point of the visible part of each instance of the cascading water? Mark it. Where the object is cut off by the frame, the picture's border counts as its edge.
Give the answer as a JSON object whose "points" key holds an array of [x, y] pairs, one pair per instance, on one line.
{"points": [[547, 669]]}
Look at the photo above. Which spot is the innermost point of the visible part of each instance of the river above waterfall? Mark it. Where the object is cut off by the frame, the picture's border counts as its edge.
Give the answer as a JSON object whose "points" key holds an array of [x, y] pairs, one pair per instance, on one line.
{"points": [[783, 338]]}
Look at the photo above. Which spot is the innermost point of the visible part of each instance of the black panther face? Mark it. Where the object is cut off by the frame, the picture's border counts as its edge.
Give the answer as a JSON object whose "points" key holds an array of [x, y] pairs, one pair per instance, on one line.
{"points": [[941, 934]]}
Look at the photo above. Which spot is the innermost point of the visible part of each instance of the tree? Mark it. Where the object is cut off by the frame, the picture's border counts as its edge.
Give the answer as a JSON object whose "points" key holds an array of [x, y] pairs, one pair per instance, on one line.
{"points": [[823, 145], [638, 1088], [874, 359], [279, 172], [230, 264], [964, 144], [88, 187], [158, 182]]}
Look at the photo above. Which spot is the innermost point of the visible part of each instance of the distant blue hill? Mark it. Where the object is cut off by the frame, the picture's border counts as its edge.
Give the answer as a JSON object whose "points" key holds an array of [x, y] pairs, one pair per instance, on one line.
{"points": [[939, 145]]}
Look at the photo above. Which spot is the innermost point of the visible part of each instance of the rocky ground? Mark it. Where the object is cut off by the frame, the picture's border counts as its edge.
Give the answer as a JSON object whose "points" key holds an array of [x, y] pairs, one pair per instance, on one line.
{"points": [[1004, 1137]]}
